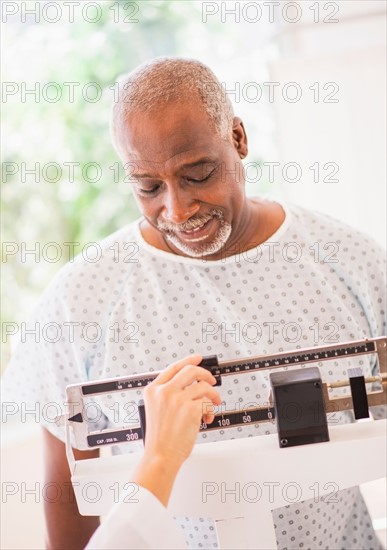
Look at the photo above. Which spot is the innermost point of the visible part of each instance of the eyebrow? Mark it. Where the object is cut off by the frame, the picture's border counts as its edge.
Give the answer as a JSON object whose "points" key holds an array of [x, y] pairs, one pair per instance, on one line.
{"points": [[204, 160]]}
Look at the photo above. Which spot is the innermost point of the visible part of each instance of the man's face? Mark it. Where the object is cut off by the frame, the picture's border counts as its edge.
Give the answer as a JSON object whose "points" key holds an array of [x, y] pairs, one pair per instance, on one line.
{"points": [[188, 183]]}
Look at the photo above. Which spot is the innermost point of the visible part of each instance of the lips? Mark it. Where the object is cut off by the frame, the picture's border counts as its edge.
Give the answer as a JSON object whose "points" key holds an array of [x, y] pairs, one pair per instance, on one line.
{"points": [[197, 234]]}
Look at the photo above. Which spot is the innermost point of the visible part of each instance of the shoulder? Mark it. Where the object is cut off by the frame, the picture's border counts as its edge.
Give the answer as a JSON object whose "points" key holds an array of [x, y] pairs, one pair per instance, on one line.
{"points": [[349, 253], [320, 226], [104, 262]]}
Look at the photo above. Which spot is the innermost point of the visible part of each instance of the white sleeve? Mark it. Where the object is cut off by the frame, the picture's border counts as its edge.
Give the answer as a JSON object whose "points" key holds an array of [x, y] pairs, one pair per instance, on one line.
{"points": [[144, 524]]}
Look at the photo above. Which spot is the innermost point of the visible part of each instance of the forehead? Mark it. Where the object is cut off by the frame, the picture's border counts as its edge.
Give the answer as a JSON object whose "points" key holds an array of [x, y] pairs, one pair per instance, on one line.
{"points": [[174, 134]]}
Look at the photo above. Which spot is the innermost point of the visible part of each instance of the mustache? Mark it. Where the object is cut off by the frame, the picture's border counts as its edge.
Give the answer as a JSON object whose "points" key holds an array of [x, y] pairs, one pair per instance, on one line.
{"points": [[192, 223]]}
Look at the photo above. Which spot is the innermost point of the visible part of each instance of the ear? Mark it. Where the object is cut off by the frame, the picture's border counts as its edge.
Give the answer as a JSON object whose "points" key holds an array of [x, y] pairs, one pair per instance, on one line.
{"points": [[239, 137]]}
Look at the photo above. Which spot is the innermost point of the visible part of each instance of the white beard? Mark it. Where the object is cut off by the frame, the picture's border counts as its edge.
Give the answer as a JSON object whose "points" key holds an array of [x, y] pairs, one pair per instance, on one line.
{"points": [[204, 249]]}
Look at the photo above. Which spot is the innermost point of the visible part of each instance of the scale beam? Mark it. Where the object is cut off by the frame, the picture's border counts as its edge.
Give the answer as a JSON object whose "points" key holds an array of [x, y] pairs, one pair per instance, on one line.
{"points": [[86, 437]]}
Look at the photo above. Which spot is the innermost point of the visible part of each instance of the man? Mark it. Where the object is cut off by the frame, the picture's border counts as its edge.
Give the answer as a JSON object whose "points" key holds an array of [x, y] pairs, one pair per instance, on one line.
{"points": [[209, 271]]}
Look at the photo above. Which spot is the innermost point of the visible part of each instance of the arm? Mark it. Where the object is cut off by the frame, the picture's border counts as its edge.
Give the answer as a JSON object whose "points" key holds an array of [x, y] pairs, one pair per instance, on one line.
{"points": [[174, 403], [66, 528]]}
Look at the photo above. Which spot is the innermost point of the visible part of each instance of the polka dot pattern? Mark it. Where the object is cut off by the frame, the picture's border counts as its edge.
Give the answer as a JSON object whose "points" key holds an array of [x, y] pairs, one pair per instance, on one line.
{"points": [[316, 281], [337, 521]]}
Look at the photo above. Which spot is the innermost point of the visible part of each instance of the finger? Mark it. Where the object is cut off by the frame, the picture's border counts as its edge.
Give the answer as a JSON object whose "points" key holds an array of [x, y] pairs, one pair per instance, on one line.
{"points": [[204, 410], [167, 374], [208, 410], [203, 389], [191, 373]]}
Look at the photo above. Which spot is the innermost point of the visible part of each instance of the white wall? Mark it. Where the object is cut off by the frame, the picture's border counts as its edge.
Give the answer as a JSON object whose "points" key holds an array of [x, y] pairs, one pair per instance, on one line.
{"points": [[352, 132]]}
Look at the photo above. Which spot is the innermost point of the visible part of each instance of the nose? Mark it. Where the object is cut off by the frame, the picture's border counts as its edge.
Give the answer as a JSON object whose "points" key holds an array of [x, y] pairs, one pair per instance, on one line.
{"points": [[179, 206]]}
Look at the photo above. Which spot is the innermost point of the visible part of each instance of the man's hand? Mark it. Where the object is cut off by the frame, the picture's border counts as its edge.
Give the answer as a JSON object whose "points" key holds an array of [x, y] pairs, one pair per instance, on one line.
{"points": [[175, 403]]}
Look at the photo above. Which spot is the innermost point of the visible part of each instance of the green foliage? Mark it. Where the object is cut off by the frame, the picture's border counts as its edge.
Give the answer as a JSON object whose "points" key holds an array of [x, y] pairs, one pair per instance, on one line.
{"points": [[43, 131]]}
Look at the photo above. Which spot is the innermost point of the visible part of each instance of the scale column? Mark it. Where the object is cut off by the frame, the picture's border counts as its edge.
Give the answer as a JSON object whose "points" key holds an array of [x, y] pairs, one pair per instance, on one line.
{"points": [[255, 532]]}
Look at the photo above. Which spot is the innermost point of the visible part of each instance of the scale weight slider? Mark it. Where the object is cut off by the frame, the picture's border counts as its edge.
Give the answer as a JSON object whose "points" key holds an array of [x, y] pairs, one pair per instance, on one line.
{"points": [[299, 407], [141, 413], [209, 362]]}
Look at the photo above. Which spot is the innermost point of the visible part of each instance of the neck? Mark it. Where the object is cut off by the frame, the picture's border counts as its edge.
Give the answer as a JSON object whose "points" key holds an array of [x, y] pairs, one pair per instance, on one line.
{"points": [[259, 220]]}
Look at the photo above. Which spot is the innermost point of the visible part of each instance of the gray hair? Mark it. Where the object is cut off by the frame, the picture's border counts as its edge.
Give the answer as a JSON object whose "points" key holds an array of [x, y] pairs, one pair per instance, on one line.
{"points": [[171, 79]]}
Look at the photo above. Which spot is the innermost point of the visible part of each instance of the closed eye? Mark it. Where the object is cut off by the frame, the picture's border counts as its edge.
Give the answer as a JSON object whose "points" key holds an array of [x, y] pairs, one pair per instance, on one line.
{"points": [[148, 191], [194, 180]]}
